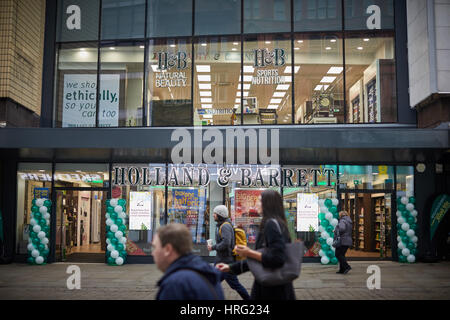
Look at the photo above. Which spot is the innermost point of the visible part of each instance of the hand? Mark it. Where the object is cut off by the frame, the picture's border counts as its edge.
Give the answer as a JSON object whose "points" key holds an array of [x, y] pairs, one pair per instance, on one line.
{"points": [[242, 251], [223, 267], [209, 247]]}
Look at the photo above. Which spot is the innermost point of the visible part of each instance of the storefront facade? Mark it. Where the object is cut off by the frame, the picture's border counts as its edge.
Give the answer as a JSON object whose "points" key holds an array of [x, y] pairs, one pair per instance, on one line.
{"points": [[157, 101]]}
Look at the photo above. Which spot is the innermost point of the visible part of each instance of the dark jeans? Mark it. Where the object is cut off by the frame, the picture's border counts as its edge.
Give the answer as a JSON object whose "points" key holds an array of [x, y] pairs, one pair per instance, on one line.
{"points": [[340, 255], [234, 283]]}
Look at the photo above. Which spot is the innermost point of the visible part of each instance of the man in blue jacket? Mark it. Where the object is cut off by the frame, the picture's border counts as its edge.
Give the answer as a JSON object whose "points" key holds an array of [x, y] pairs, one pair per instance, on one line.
{"points": [[186, 276]]}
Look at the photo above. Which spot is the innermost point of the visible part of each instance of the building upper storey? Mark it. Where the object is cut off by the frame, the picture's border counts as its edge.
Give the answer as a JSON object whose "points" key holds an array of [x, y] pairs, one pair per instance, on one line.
{"points": [[227, 63]]}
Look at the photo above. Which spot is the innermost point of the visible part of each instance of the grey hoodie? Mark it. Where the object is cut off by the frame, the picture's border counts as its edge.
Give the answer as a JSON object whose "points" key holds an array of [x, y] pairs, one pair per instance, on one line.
{"points": [[224, 242], [345, 231]]}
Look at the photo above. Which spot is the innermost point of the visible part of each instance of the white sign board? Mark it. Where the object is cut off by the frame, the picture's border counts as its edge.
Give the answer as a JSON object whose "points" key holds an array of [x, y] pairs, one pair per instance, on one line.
{"points": [[79, 96], [307, 212], [140, 211]]}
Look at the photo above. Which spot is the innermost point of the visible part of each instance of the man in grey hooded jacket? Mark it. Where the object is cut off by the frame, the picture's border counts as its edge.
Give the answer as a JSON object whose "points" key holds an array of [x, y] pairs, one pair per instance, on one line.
{"points": [[224, 247], [344, 231]]}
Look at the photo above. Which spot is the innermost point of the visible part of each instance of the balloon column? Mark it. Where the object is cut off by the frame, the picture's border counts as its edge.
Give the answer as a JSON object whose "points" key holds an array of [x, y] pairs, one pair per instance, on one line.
{"points": [[406, 229], [328, 218], [116, 232], [39, 231]]}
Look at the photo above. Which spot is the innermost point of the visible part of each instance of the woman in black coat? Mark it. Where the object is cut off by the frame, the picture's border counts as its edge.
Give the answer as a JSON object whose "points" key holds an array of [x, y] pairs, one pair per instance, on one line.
{"points": [[269, 236]]}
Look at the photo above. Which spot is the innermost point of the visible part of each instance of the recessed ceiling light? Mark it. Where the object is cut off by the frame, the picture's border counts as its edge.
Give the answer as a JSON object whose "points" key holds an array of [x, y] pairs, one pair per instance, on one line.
{"points": [[142, 47], [112, 48], [366, 39], [296, 48], [154, 68], [248, 78], [82, 49], [327, 48], [288, 69], [333, 40], [233, 49], [204, 44], [238, 100], [205, 93], [204, 77], [203, 68], [335, 70], [246, 86], [245, 93], [279, 94], [267, 42], [206, 106], [327, 79], [248, 69], [318, 87], [172, 46], [288, 78], [360, 48], [272, 106], [235, 43], [283, 86], [207, 116], [207, 100], [204, 86], [300, 41], [275, 101], [237, 106]]}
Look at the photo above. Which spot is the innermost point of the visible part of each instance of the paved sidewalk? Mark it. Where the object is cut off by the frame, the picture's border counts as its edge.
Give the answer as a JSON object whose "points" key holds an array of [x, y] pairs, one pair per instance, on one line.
{"points": [[316, 282]]}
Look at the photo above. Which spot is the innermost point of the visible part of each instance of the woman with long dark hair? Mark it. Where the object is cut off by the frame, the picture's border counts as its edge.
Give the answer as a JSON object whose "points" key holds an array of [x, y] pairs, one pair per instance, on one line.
{"points": [[274, 256]]}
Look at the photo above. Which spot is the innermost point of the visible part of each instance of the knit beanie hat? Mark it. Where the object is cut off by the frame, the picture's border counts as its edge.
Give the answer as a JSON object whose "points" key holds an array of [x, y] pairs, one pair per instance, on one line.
{"points": [[221, 211]]}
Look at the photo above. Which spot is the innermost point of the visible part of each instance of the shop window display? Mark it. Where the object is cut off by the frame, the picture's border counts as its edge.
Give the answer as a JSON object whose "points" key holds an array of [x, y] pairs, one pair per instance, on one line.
{"points": [[169, 82], [121, 82], [366, 177], [267, 80], [217, 99], [370, 79], [319, 80]]}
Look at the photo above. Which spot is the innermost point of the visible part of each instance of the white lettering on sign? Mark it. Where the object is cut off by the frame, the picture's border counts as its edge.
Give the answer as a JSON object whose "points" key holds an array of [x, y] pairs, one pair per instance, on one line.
{"points": [[73, 22], [374, 21]]}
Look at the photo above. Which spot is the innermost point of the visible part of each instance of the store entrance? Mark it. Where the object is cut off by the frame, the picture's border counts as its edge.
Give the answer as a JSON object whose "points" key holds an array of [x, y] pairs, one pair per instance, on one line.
{"points": [[80, 225], [371, 214]]}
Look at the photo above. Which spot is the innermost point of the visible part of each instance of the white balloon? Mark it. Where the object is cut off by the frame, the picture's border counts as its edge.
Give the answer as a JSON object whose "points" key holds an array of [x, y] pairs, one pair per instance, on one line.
{"points": [[398, 213], [333, 248], [43, 210], [40, 202], [401, 245], [33, 222], [41, 235], [46, 247], [324, 235], [405, 226], [35, 253], [44, 240], [321, 202], [409, 194], [118, 209], [122, 215], [414, 239], [114, 254], [118, 234], [405, 252], [401, 220], [325, 260], [330, 241], [404, 200], [114, 228], [329, 216], [47, 216], [47, 222], [39, 260], [321, 253], [399, 239], [37, 228], [119, 261], [323, 209], [107, 216], [108, 241], [123, 240], [113, 202], [30, 247], [410, 207], [109, 222], [110, 247], [335, 201], [334, 222], [410, 233], [411, 258], [321, 229], [414, 213]]}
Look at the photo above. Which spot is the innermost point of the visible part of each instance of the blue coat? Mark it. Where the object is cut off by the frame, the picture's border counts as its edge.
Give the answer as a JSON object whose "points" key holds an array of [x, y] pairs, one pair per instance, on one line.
{"points": [[181, 282]]}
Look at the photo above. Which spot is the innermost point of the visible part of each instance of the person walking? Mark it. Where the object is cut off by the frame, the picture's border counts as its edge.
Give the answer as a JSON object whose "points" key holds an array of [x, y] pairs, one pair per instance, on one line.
{"points": [[269, 237], [225, 241], [344, 232], [186, 276]]}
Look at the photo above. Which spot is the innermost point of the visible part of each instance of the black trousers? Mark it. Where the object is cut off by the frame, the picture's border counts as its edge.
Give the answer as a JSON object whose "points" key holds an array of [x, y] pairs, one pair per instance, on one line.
{"points": [[340, 255]]}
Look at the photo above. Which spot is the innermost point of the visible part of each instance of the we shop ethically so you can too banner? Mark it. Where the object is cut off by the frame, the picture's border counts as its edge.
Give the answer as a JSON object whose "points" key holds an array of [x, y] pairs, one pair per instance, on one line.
{"points": [[79, 107]]}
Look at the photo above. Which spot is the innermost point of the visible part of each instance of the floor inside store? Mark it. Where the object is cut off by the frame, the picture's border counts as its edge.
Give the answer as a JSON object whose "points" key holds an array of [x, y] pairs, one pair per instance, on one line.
{"points": [[91, 248]]}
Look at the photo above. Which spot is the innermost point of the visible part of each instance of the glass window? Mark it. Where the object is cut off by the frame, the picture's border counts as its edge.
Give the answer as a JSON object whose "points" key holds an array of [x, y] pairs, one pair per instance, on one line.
{"points": [[77, 20], [169, 18], [319, 81], [34, 181], [405, 181], [366, 177], [301, 202], [81, 175], [267, 16], [369, 14], [121, 85], [123, 19], [76, 85], [217, 17], [129, 184], [217, 94], [169, 82], [267, 95], [317, 15], [370, 79]]}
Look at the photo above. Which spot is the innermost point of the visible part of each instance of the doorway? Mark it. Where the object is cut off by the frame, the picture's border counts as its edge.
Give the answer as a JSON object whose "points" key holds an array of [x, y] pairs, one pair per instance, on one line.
{"points": [[80, 225], [371, 214]]}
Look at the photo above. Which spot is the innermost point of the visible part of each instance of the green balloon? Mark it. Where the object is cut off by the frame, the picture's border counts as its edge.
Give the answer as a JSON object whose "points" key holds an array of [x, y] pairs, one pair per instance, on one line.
{"points": [[412, 199], [110, 210], [334, 260], [33, 235], [119, 221], [114, 241], [330, 229], [322, 240], [33, 202], [405, 239], [411, 220], [46, 229], [330, 253], [119, 247], [123, 253], [35, 241], [122, 228], [30, 260], [401, 207], [402, 233], [47, 203], [37, 215], [321, 216], [110, 261], [122, 202], [411, 246], [42, 222], [325, 247], [402, 259], [406, 214], [333, 209], [325, 223], [45, 253], [110, 235], [107, 202], [328, 203], [113, 215], [34, 209], [41, 247], [413, 226]]}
